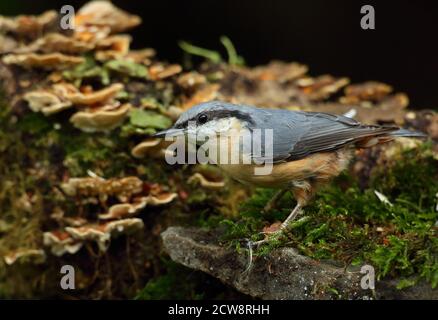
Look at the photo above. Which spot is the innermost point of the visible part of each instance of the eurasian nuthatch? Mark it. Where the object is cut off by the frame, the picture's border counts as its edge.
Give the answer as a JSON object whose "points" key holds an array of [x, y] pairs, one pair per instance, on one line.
{"points": [[307, 148]]}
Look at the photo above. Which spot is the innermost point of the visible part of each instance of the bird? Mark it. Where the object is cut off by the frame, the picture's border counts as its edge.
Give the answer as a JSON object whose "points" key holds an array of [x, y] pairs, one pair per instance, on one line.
{"points": [[307, 149]]}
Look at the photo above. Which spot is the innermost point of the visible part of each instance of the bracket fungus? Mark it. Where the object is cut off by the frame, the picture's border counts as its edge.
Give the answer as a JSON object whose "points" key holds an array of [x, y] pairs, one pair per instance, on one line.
{"points": [[56, 42], [28, 26], [102, 232], [279, 71], [113, 47], [205, 93], [142, 56], [91, 34], [204, 182], [160, 199], [46, 102], [89, 187], [94, 97], [191, 79], [367, 91], [74, 221], [7, 44], [154, 148], [124, 210], [321, 87], [103, 118], [44, 61], [161, 71], [103, 13], [35, 256], [61, 242]]}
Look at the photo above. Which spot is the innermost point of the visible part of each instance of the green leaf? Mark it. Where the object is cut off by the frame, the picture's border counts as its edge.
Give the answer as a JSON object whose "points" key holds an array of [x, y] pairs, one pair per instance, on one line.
{"points": [[128, 130], [149, 119], [317, 233], [211, 55], [233, 57], [128, 68], [87, 69]]}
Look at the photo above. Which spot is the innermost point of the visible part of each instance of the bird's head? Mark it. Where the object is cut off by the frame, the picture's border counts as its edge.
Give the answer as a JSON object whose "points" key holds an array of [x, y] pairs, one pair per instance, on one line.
{"points": [[209, 119]]}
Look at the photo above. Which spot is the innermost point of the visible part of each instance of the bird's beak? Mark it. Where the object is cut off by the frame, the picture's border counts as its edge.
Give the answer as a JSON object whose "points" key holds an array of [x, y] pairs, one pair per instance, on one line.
{"points": [[171, 132]]}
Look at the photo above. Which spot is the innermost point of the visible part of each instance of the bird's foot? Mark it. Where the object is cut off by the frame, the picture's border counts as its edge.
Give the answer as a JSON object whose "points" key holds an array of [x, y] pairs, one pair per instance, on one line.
{"points": [[273, 232], [269, 235]]}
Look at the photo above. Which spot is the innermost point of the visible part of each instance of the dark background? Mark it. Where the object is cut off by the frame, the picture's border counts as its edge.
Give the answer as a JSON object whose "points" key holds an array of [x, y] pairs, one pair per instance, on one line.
{"points": [[325, 35]]}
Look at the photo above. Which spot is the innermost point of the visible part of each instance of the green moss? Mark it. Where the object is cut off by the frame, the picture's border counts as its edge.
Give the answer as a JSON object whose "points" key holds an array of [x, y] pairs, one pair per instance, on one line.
{"points": [[392, 256], [411, 179], [34, 123], [348, 224]]}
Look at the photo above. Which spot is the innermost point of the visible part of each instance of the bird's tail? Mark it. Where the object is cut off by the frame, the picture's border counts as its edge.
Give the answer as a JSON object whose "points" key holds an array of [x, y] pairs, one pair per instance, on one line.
{"points": [[373, 140], [408, 134]]}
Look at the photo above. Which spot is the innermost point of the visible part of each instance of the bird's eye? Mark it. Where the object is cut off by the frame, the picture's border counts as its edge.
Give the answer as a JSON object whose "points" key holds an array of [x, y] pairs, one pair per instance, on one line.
{"points": [[202, 118]]}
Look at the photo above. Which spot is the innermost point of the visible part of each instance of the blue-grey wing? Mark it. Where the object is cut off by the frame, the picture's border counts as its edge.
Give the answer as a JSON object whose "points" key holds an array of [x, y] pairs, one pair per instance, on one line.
{"points": [[299, 134]]}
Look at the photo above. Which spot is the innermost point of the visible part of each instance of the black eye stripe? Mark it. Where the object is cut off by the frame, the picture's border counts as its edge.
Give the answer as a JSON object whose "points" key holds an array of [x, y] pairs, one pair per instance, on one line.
{"points": [[202, 118], [220, 114], [181, 125], [217, 114]]}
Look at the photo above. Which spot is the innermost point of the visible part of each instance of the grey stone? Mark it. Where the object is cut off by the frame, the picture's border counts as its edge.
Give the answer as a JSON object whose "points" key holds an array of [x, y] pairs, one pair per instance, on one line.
{"points": [[281, 274]]}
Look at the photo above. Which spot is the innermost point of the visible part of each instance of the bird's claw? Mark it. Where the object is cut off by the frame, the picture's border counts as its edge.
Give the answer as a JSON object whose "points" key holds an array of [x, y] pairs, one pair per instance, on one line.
{"points": [[268, 232], [268, 236]]}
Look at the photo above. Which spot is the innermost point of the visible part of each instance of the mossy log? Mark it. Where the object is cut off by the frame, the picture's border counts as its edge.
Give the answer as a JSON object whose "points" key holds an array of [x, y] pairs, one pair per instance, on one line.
{"points": [[78, 163]]}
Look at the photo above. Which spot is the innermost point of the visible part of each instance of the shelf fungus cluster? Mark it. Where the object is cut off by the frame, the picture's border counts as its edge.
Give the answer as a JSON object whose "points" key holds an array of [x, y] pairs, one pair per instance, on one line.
{"points": [[205, 181], [123, 198], [35, 256], [153, 148], [85, 69], [92, 72]]}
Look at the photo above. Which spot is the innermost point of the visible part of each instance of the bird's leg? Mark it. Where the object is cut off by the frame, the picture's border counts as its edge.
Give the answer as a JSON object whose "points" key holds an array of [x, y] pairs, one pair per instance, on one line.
{"points": [[283, 226], [273, 201], [302, 193], [291, 216]]}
